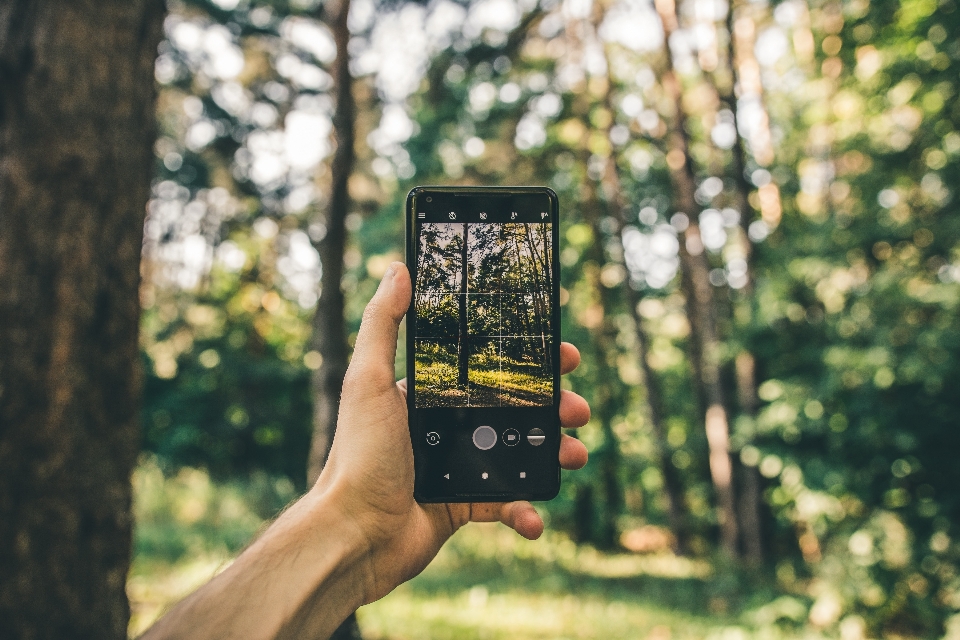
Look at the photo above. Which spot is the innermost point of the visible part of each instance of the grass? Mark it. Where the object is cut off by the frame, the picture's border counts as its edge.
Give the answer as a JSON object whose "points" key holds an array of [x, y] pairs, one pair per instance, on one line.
{"points": [[486, 583], [515, 384]]}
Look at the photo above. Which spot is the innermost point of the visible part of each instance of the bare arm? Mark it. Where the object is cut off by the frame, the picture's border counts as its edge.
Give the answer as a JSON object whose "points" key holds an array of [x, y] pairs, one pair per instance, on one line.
{"points": [[358, 533]]}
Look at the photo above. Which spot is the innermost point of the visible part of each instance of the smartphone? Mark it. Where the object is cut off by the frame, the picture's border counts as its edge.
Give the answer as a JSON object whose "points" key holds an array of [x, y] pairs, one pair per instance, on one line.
{"points": [[483, 350]]}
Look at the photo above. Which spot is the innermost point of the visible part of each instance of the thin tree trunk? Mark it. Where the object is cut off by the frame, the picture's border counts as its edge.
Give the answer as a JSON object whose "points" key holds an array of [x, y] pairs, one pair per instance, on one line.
{"points": [[698, 292], [329, 329], [677, 513], [604, 338], [745, 363], [77, 126], [608, 457], [463, 344]]}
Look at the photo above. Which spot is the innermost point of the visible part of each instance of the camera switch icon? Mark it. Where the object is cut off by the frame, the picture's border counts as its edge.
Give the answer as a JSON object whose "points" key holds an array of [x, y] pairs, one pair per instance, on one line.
{"points": [[433, 438]]}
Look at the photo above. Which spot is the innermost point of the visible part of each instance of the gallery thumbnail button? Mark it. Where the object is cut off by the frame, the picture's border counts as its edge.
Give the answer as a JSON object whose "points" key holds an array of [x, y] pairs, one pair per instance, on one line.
{"points": [[536, 437], [433, 437], [511, 437]]}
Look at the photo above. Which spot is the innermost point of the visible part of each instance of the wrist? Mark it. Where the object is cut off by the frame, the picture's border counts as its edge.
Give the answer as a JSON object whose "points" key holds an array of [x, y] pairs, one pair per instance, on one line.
{"points": [[323, 539], [301, 578]]}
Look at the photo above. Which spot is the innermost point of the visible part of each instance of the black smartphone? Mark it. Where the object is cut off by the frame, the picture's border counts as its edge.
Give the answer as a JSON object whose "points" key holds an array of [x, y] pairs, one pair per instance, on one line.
{"points": [[483, 350]]}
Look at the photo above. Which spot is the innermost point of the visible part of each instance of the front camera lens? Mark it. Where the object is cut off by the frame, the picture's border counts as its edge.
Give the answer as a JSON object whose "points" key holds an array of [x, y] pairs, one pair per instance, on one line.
{"points": [[429, 199]]}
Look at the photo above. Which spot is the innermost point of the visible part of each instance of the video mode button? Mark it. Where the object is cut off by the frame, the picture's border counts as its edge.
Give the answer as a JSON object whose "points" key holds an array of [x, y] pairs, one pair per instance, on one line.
{"points": [[511, 437]]}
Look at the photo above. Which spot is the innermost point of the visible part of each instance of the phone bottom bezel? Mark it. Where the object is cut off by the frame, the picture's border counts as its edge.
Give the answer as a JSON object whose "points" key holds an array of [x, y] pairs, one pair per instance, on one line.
{"points": [[499, 497]]}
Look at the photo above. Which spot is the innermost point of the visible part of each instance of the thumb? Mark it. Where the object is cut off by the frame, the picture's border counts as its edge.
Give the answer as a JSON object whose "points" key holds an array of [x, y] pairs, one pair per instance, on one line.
{"points": [[375, 351]]}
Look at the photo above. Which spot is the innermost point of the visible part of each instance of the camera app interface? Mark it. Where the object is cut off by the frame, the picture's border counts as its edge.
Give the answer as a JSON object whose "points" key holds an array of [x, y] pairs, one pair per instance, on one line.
{"points": [[483, 311]]}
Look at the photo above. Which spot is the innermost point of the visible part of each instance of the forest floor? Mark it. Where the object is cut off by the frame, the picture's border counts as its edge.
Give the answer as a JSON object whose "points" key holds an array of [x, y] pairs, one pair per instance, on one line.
{"points": [[515, 384], [486, 583]]}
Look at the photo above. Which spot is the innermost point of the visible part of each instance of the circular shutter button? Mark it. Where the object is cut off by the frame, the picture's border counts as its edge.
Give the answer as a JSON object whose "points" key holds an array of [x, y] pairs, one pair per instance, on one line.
{"points": [[484, 437], [536, 437]]}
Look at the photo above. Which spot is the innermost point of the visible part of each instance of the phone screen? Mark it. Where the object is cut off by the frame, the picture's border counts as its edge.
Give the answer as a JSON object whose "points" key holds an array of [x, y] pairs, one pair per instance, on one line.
{"points": [[482, 342]]}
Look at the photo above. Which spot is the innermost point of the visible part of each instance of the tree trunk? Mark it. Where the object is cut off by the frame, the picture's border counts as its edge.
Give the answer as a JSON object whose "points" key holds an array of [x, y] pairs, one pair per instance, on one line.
{"points": [[76, 137], [463, 343], [677, 513], [605, 402], [745, 363], [329, 330], [695, 281]]}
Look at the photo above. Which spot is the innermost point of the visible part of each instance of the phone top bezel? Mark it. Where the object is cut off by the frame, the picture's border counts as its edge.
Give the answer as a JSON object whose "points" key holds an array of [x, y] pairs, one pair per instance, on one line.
{"points": [[410, 253]]}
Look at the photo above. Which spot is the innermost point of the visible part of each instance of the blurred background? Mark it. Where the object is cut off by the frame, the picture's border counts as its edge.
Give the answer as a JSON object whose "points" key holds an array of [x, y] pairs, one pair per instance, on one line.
{"points": [[761, 268]]}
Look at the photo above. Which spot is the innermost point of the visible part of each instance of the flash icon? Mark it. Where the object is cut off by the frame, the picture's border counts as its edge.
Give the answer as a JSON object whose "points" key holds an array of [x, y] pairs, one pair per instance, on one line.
{"points": [[483, 215], [543, 214], [452, 215]]}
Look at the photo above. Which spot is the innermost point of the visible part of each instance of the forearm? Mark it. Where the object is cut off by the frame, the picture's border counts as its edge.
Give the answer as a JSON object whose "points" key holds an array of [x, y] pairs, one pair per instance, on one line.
{"points": [[301, 578]]}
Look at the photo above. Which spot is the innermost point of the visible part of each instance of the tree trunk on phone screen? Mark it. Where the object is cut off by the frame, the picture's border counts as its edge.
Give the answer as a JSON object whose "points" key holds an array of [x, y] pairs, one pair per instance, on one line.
{"points": [[463, 344], [695, 282], [329, 329], [76, 138]]}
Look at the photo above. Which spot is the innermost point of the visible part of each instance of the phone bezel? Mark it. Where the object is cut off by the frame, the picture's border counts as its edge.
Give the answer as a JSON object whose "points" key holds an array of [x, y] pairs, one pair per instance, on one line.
{"points": [[410, 258]]}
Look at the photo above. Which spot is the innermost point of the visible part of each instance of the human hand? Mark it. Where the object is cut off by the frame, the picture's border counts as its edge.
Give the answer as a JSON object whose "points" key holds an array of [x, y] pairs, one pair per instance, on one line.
{"points": [[370, 471]]}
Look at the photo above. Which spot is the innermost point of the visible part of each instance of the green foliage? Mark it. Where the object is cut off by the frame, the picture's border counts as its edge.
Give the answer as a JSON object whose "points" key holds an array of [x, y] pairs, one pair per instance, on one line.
{"points": [[853, 317]]}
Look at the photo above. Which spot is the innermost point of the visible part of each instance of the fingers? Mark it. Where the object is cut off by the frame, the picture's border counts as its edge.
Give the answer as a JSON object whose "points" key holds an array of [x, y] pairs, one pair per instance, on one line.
{"points": [[573, 453], [522, 518], [519, 516], [569, 357], [376, 347], [574, 410]]}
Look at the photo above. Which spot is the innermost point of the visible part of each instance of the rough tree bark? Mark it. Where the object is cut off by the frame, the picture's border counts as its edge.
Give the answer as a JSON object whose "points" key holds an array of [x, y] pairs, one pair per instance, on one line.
{"points": [[695, 281], [76, 138], [329, 328]]}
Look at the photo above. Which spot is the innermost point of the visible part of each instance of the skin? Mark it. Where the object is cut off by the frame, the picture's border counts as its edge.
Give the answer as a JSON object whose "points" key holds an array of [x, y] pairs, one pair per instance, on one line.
{"points": [[358, 532]]}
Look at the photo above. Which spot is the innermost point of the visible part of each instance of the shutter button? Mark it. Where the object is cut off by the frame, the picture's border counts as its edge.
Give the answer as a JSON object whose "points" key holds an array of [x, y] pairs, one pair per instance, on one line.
{"points": [[484, 437]]}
